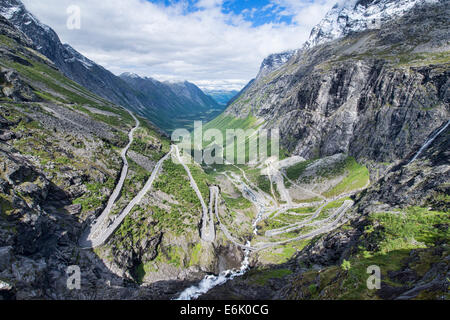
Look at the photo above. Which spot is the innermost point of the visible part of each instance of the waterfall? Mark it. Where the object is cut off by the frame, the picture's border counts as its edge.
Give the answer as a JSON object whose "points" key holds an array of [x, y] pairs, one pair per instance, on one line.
{"points": [[428, 142], [212, 281]]}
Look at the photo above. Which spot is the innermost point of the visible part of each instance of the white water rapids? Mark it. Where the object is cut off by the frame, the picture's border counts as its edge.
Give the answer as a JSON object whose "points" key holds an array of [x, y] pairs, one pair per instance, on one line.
{"points": [[212, 281]]}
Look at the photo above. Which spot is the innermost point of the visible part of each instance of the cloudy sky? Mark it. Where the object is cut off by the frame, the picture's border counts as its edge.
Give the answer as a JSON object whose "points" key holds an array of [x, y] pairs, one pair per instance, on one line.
{"points": [[214, 43]]}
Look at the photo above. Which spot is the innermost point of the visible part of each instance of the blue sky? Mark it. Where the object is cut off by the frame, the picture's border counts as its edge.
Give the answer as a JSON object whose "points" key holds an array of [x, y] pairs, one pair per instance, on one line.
{"points": [[217, 44], [257, 12]]}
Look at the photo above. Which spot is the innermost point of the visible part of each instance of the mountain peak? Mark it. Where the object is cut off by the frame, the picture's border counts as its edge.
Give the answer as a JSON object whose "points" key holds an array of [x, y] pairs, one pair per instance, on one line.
{"points": [[274, 62], [345, 17], [358, 15], [130, 75], [15, 11]]}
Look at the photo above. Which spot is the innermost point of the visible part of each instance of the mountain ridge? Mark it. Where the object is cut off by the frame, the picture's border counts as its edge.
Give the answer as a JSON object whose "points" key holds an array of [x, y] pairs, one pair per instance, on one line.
{"points": [[63, 152]]}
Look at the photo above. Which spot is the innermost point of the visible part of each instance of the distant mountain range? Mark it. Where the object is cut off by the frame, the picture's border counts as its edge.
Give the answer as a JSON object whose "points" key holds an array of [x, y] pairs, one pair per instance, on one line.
{"points": [[167, 105], [222, 96], [178, 103]]}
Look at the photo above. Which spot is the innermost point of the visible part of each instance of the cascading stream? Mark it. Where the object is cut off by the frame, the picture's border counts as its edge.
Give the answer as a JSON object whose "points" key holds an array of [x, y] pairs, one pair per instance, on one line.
{"points": [[212, 281], [428, 142]]}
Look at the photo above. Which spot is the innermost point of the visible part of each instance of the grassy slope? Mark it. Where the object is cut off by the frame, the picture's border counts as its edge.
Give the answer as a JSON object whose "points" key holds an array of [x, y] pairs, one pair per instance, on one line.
{"points": [[395, 235], [53, 87]]}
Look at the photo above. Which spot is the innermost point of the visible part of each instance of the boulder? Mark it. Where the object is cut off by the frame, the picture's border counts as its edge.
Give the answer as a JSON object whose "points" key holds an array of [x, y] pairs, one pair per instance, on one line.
{"points": [[8, 135], [74, 209]]}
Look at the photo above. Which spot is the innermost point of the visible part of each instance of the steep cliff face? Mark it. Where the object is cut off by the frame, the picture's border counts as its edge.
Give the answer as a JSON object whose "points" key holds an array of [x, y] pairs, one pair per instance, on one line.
{"points": [[55, 159], [375, 94], [274, 62]]}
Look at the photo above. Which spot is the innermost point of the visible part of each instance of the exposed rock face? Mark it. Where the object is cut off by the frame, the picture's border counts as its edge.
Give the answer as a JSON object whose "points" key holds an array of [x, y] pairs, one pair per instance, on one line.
{"points": [[345, 18], [40, 226], [379, 93], [129, 256], [404, 185], [413, 184], [10, 31], [68, 60], [372, 94]]}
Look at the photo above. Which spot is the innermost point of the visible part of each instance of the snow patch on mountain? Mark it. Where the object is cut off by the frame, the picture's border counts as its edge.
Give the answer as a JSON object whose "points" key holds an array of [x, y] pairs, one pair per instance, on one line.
{"points": [[345, 17], [130, 75], [15, 11], [8, 13], [353, 16], [274, 62], [75, 55]]}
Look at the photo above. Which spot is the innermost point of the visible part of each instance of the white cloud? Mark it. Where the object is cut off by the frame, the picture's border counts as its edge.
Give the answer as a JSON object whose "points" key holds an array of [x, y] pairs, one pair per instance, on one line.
{"points": [[307, 12], [206, 46]]}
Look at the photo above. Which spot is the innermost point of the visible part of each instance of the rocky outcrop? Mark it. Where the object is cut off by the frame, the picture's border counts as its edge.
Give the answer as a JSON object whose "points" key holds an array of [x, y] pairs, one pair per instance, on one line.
{"points": [[58, 164], [68, 60], [379, 93], [373, 95], [40, 225]]}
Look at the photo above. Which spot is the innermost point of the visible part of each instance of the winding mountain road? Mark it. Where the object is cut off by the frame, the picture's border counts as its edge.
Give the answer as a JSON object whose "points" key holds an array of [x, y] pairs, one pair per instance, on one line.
{"points": [[323, 229], [97, 234], [312, 193], [100, 232], [266, 210], [103, 228], [116, 192], [208, 232], [222, 226], [309, 222]]}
